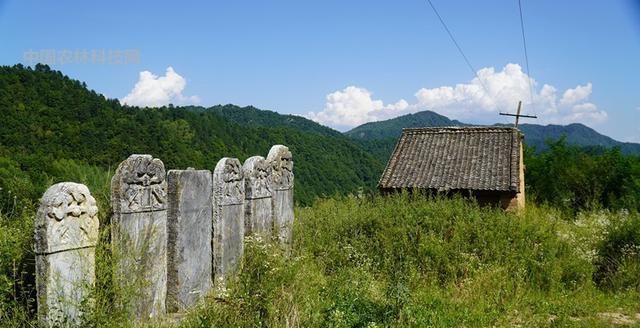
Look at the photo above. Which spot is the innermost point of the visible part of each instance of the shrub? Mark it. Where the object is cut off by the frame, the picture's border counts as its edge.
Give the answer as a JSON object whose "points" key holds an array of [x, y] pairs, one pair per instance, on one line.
{"points": [[618, 263], [17, 279]]}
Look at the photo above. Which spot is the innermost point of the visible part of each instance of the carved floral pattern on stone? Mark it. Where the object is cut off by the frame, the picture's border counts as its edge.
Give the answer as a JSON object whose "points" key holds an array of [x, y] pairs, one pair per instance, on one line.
{"points": [[231, 188], [257, 177], [282, 167], [67, 219], [144, 187]]}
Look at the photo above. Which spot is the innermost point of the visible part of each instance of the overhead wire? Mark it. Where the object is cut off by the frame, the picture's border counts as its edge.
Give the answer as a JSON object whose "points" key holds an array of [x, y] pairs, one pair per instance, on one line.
{"points": [[526, 55], [473, 70]]}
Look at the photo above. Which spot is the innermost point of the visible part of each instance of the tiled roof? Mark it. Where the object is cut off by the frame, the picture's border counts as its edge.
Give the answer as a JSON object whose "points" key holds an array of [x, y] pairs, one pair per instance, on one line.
{"points": [[455, 158]]}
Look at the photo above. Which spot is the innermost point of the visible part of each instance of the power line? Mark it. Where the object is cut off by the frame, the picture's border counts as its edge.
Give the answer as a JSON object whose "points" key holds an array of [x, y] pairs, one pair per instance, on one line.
{"points": [[473, 70], [526, 55]]}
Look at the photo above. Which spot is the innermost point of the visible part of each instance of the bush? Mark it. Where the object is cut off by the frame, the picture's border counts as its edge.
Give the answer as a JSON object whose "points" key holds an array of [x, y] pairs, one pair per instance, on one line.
{"points": [[271, 289], [618, 264], [575, 179], [393, 261], [17, 279], [16, 188]]}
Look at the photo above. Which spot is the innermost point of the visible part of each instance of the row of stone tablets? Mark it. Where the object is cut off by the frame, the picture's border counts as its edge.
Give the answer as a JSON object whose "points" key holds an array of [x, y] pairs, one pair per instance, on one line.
{"points": [[171, 233]]}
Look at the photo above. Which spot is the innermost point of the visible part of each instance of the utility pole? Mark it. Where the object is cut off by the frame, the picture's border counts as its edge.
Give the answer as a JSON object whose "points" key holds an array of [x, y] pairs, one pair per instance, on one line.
{"points": [[518, 115]]}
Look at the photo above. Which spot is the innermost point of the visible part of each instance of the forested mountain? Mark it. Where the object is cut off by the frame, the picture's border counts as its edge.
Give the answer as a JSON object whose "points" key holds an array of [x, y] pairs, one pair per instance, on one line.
{"points": [[48, 117], [254, 117], [379, 138], [393, 128], [576, 134]]}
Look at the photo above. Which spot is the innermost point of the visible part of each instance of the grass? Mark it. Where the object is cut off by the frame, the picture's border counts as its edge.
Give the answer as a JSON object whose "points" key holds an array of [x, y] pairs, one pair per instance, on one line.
{"points": [[404, 261], [400, 261]]}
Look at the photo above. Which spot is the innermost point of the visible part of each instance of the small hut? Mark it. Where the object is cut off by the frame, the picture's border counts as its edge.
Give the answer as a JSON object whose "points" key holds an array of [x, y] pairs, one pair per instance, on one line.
{"points": [[481, 162]]}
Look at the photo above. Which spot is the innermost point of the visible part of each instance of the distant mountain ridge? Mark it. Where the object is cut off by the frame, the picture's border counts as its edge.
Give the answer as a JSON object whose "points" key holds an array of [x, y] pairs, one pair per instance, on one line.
{"points": [[576, 134], [49, 118], [254, 117], [379, 138], [392, 128], [535, 135]]}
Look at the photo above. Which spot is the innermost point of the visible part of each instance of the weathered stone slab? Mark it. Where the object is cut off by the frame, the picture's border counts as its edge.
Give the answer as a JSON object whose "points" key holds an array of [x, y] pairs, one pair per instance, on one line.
{"points": [[139, 232], [281, 163], [66, 233], [258, 206], [189, 220], [228, 217]]}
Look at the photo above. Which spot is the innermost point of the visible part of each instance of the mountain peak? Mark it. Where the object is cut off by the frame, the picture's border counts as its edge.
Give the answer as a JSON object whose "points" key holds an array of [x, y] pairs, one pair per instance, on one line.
{"points": [[393, 128], [535, 135]]}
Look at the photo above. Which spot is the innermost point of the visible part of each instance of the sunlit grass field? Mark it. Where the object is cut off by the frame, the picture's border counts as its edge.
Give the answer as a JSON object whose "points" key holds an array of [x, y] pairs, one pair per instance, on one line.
{"points": [[398, 261]]}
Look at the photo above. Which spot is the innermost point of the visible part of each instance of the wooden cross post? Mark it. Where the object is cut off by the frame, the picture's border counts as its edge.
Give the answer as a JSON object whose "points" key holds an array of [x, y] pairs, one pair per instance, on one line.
{"points": [[518, 115]]}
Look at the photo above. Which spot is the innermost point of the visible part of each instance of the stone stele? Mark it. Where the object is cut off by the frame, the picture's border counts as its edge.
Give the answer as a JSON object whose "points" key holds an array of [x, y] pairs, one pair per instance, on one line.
{"points": [[228, 218], [66, 233], [189, 230], [281, 163], [258, 207], [139, 232]]}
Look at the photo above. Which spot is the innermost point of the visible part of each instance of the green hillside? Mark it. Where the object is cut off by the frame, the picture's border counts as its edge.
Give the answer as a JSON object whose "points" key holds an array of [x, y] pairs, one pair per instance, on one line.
{"points": [[52, 123], [48, 117], [575, 134], [254, 117], [379, 138], [392, 128]]}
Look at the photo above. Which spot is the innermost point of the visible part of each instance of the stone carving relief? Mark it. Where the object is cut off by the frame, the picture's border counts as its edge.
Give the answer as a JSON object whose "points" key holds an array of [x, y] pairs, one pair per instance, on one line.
{"points": [[282, 167], [232, 186], [139, 230], [257, 177], [144, 184], [67, 219]]}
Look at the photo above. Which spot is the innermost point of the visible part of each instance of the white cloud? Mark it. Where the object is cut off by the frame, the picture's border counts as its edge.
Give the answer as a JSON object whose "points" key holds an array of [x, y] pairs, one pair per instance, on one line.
{"points": [[585, 108], [577, 94], [353, 106], [474, 102], [154, 91], [491, 92], [587, 112]]}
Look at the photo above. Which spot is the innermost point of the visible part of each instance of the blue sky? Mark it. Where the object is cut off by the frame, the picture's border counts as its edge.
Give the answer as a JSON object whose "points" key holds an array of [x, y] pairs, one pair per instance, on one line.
{"points": [[343, 63]]}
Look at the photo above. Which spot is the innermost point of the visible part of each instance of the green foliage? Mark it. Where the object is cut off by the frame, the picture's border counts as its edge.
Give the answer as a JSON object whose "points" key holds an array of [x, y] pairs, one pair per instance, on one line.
{"points": [[575, 134], [392, 128], [618, 265], [535, 135], [388, 261], [253, 117], [373, 261], [48, 117], [95, 178], [271, 290], [403, 261], [17, 284], [16, 187], [572, 178]]}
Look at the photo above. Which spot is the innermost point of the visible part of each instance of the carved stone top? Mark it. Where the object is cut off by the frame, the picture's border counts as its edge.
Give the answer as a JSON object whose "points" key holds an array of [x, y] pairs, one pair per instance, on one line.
{"points": [[228, 182], [257, 177], [281, 163], [139, 185], [67, 219]]}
